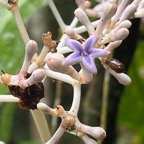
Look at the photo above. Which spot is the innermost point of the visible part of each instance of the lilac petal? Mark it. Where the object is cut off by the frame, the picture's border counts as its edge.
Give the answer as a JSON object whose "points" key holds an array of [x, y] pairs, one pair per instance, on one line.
{"points": [[74, 45], [89, 64], [98, 52], [90, 42], [72, 59]]}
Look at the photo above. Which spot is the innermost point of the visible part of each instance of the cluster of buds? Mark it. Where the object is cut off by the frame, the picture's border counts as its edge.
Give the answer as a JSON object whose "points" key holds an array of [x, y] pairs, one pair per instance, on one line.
{"points": [[104, 35], [132, 9], [71, 124], [108, 35]]}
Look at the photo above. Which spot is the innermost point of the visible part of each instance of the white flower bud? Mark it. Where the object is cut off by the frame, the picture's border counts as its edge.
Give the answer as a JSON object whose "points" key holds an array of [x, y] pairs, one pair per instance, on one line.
{"points": [[96, 132], [141, 5], [36, 76], [129, 11], [112, 45], [83, 18], [109, 11], [139, 14], [122, 78], [54, 62], [119, 11], [2, 142], [83, 3], [31, 49], [124, 24], [71, 33], [121, 34]]}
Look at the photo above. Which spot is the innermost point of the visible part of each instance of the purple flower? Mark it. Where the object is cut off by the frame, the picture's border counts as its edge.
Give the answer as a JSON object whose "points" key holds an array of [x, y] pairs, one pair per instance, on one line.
{"points": [[84, 53]]}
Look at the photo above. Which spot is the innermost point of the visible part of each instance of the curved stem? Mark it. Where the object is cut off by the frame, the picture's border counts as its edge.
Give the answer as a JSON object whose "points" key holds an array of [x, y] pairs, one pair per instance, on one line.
{"points": [[5, 5], [56, 102], [56, 137], [20, 24], [8, 98], [76, 98], [60, 76], [56, 14]]}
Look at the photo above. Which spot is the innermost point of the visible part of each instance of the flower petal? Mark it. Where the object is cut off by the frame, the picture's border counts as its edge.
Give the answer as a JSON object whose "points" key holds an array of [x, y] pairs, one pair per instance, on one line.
{"points": [[89, 64], [98, 52], [90, 42], [74, 45], [72, 59]]}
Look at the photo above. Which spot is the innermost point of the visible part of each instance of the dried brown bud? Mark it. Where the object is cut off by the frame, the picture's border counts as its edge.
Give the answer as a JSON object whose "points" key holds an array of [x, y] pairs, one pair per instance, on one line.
{"points": [[115, 65]]}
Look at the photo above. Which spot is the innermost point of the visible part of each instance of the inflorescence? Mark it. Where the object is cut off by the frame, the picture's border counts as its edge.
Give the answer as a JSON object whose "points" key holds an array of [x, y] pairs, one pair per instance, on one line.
{"points": [[104, 36]]}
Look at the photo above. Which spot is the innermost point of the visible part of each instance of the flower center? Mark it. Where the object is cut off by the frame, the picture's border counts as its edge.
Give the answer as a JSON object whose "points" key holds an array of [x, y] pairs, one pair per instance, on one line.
{"points": [[84, 54]]}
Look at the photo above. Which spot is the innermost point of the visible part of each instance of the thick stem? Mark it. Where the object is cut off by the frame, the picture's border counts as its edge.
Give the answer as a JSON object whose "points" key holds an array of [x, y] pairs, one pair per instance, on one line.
{"points": [[76, 98]]}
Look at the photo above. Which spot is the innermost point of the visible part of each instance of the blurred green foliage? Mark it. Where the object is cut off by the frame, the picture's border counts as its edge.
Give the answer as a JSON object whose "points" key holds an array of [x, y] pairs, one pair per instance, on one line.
{"points": [[11, 57], [132, 102]]}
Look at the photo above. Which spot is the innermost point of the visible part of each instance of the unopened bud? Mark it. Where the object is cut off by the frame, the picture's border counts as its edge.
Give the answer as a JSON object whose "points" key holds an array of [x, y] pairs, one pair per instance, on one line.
{"points": [[121, 34], [71, 33], [37, 76], [96, 132], [83, 18], [54, 62], [112, 45], [31, 49], [129, 11], [119, 11], [109, 11], [122, 78], [83, 3]]}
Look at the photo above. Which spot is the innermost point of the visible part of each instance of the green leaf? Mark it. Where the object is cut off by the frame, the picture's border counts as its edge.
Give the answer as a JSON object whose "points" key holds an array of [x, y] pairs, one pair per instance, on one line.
{"points": [[132, 102]]}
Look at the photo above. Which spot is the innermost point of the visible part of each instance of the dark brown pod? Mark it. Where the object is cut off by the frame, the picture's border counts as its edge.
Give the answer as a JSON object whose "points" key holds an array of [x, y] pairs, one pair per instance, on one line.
{"points": [[30, 96], [115, 65]]}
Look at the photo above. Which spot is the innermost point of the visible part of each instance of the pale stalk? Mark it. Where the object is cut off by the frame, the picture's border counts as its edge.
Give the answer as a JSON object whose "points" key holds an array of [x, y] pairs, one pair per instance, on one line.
{"points": [[56, 102], [56, 137], [5, 5], [20, 24], [104, 106], [60, 76], [8, 98], [76, 98], [82, 29], [41, 125], [74, 22], [56, 14]]}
